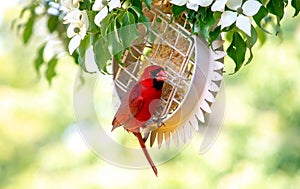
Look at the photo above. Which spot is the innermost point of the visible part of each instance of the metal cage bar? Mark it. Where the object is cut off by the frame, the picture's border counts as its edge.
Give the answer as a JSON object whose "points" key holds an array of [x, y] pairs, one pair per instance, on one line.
{"points": [[179, 74]]}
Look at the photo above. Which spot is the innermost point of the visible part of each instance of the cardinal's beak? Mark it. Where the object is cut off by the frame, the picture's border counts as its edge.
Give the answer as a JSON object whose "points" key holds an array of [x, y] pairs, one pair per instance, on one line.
{"points": [[161, 76]]}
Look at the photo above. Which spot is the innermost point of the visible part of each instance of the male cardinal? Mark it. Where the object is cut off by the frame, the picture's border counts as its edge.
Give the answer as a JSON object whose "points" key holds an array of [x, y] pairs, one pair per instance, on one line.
{"points": [[139, 103]]}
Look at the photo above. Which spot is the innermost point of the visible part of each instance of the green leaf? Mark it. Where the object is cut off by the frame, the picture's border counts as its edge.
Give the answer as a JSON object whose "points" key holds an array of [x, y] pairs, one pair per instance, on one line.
{"points": [[120, 15], [84, 45], [148, 3], [106, 22], [27, 33], [253, 39], [75, 56], [215, 34], [209, 21], [141, 18], [88, 4], [114, 45], [228, 36], [118, 57], [261, 35], [50, 71], [85, 5], [39, 60], [137, 11], [204, 22], [137, 3], [102, 55], [217, 15], [202, 12], [196, 28], [129, 32], [177, 10], [250, 43], [52, 23], [237, 51], [27, 8], [93, 28], [146, 22], [204, 30], [128, 19], [19, 18], [276, 7], [262, 13], [277, 27], [296, 5], [191, 15]]}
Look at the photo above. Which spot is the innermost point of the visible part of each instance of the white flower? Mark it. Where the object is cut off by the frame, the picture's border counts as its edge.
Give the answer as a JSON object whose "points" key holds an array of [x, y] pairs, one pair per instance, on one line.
{"points": [[72, 17], [77, 29], [101, 6], [78, 23], [241, 14], [190, 4], [218, 5], [54, 47], [202, 3], [179, 2], [101, 15], [53, 8], [69, 5]]}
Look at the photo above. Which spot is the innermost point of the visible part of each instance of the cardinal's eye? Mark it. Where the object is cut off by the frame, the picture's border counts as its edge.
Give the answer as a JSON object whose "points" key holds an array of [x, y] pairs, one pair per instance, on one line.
{"points": [[155, 73]]}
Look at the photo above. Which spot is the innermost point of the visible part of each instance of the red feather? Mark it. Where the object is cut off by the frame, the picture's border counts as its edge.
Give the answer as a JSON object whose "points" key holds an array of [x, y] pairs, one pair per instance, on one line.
{"points": [[139, 103]]}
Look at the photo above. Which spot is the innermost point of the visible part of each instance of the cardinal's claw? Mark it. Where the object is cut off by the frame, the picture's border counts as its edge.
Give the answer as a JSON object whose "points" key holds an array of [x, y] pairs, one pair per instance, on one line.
{"points": [[160, 121], [162, 124]]}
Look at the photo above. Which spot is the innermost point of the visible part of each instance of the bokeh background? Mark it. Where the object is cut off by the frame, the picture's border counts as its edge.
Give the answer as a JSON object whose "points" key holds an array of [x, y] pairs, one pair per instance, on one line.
{"points": [[259, 146]]}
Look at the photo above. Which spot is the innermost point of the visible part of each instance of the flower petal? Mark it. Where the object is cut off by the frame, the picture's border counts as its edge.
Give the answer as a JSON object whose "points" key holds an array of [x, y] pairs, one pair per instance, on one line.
{"points": [[71, 30], [179, 2], [100, 16], [74, 44], [114, 4], [244, 23], [54, 5], [218, 5], [192, 6], [251, 7], [76, 3], [53, 48], [234, 4], [72, 17], [97, 5], [85, 20], [82, 32], [67, 5], [89, 61], [53, 11], [227, 19], [202, 3], [217, 44]]}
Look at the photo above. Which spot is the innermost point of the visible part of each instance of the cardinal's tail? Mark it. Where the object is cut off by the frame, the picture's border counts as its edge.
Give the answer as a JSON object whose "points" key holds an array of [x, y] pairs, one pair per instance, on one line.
{"points": [[139, 136], [115, 123]]}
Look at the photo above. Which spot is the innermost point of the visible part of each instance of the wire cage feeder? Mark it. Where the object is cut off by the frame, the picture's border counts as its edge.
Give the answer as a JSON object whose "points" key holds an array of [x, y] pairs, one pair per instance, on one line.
{"points": [[194, 75]]}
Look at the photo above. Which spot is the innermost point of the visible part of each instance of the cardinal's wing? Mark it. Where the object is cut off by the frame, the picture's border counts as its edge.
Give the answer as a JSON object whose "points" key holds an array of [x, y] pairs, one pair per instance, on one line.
{"points": [[136, 101], [131, 104]]}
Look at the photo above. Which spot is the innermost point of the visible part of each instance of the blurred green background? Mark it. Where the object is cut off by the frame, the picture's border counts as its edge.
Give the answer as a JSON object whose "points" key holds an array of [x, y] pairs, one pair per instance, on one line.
{"points": [[259, 146]]}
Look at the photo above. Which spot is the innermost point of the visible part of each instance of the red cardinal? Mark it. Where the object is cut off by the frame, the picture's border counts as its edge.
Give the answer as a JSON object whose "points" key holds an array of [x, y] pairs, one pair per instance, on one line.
{"points": [[139, 103]]}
